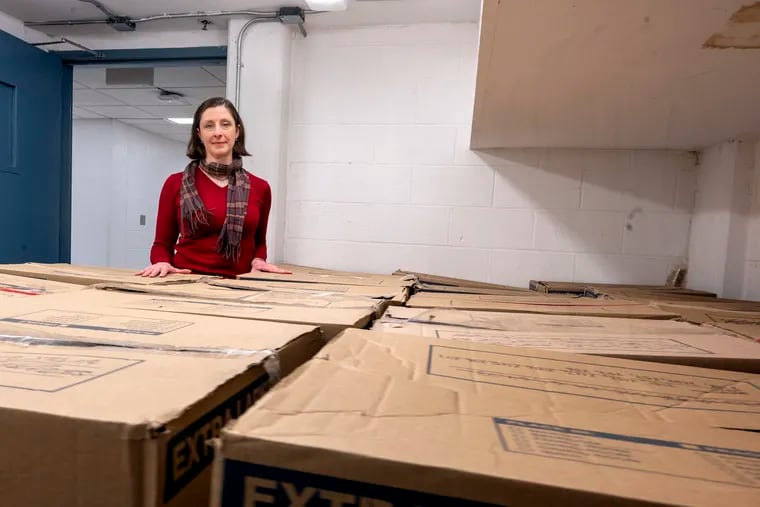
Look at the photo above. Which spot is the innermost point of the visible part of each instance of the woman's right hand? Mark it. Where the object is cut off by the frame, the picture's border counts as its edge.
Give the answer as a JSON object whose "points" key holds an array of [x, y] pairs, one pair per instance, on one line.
{"points": [[161, 269]]}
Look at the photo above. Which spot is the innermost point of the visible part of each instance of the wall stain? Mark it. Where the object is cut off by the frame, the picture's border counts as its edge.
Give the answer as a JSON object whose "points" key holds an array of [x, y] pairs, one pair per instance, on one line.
{"points": [[742, 31]]}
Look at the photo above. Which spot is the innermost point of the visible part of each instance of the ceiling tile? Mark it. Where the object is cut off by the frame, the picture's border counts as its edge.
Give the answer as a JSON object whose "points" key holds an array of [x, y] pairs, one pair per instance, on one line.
{"points": [[80, 113], [119, 112], [141, 96], [220, 71], [169, 111], [197, 95], [184, 76], [94, 98]]}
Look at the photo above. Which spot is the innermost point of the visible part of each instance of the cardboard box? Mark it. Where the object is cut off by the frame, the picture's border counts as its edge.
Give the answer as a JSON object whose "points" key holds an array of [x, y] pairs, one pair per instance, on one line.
{"points": [[125, 418], [713, 350], [292, 297], [90, 275], [742, 323], [394, 295], [389, 420], [331, 320], [546, 304], [427, 278], [20, 286], [599, 289], [540, 323], [368, 279], [430, 287], [95, 317]]}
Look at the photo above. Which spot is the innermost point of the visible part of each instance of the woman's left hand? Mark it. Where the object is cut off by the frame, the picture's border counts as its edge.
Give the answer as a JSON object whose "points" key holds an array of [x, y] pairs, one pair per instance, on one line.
{"points": [[262, 265]]}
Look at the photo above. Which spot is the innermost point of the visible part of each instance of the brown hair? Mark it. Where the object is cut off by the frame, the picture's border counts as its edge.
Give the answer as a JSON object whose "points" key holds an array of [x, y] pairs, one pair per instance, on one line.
{"points": [[195, 148]]}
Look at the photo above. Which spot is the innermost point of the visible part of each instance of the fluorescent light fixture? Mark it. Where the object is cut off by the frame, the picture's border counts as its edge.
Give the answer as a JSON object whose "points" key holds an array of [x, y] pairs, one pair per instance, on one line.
{"points": [[181, 121], [326, 5]]}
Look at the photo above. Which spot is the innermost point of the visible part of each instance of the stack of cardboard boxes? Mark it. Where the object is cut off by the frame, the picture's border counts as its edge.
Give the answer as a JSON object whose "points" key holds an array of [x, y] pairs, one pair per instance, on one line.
{"points": [[336, 388]]}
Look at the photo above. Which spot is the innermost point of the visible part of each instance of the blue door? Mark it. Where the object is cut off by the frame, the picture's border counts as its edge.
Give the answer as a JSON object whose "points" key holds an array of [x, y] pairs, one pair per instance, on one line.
{"points": [[35, 154]]}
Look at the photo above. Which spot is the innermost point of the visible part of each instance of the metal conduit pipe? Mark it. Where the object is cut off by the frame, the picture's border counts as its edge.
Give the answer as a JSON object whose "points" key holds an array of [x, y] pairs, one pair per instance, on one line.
{"points": [[239, 51]]}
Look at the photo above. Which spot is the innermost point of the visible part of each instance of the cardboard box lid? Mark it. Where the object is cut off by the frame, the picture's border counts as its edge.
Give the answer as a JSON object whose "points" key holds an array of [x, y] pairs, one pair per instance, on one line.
{"points": [[330, 320], [330, 278], [715, 350], [291, 297], [354, 427], [89, 275], [543, 323], [427, 278], [396, 294], [746, 324], [97, 317], [604, 288], [432, 287], [556, 305], [20, 286], [137, 387]]}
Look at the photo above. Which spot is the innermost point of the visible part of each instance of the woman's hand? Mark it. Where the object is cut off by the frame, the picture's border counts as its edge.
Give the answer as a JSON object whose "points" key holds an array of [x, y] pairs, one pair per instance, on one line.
{"points": [[161, 269], [262, 265]]}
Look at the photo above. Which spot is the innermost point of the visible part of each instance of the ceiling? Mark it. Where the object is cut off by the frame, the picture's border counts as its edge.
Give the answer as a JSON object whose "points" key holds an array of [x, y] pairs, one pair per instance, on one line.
{"points": [[617, 73], [141, 105], [358, 13]]}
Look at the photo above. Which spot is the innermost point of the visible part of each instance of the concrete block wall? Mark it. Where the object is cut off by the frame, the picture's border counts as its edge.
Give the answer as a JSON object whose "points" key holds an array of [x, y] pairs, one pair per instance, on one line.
{"points": [[380, 175], [752, 262]]}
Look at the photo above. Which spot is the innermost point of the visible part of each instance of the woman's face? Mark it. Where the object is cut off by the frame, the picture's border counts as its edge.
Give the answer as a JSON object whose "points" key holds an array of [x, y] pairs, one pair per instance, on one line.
{"points": [[218, 133]]}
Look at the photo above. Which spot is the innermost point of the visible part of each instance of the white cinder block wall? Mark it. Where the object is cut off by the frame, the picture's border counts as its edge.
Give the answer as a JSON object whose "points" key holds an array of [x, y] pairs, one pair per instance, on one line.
{"points": [[117, 174], [380, 176]]}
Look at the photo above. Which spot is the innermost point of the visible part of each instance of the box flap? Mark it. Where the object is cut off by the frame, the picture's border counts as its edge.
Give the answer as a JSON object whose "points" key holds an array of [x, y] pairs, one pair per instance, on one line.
{"points": [[394, 417], [98, 316], [329, 278], [715, 350], [19, 286], [89, 275], [511, 321], [139, 387], [291, 297], [546, 304]]}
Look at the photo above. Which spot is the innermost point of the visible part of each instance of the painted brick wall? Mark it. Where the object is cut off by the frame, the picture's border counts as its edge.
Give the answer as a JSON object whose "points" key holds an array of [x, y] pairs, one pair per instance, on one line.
{"points": [[380, 175]]}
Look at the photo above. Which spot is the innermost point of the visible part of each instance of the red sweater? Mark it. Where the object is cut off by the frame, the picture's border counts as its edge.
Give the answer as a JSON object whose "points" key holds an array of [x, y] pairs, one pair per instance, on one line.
{"points": [[199, 252]]}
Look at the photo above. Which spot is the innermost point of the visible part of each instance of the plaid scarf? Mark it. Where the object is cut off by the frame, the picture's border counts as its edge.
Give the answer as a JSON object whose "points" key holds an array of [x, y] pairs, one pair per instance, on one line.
{"points": [[195, 214]]}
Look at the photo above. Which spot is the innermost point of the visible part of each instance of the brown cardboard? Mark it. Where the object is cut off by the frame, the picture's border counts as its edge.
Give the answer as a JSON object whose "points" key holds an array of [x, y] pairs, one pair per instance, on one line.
{"points": [[543, 323], [97, 317], [706, 349], [368, 279], [394, 295], [599, 289], [95, 417], [331, 320], [291, 297], [398, 420], [546, 304], [90, 275], [431, 287], [427, 278], [743, 323], [21, 286]]}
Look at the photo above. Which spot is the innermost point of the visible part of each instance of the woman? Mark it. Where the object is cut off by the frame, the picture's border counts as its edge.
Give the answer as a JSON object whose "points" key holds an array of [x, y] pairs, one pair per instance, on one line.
{"points": [[212, 217]]}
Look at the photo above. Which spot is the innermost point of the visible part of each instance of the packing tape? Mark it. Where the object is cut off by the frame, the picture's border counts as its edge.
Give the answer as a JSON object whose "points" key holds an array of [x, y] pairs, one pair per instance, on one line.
{"points": [[272, 367], [63, 342]]}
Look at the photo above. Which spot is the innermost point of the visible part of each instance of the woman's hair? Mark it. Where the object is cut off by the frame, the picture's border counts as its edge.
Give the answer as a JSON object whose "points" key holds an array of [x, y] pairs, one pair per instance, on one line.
{"points": [[195, 148]]}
